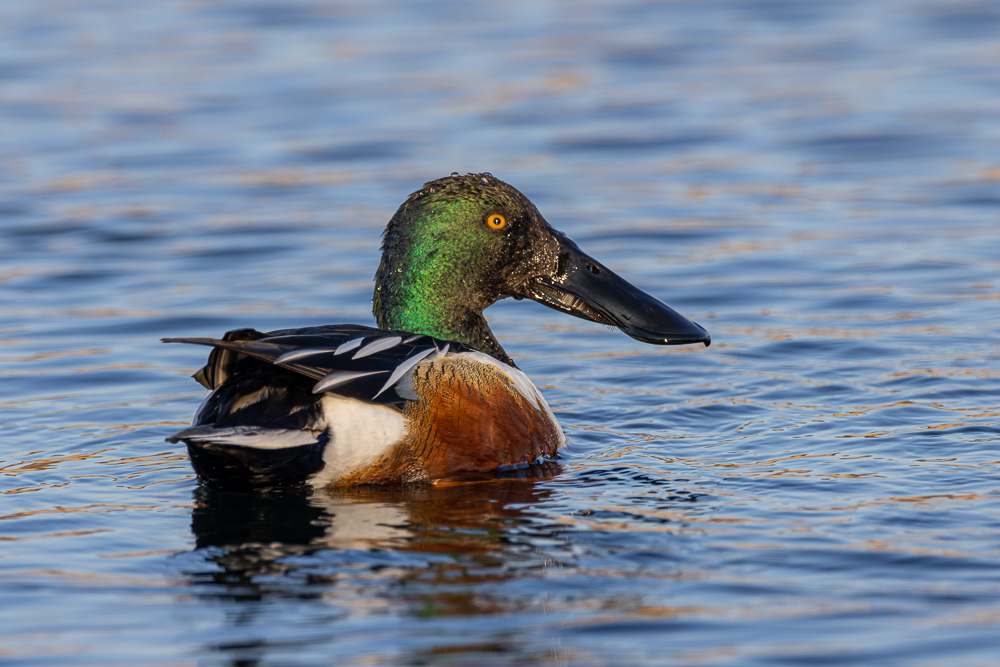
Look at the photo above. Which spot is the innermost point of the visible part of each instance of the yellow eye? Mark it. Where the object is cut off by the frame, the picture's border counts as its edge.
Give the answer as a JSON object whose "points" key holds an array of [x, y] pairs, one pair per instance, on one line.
{"points": [[496, 221]]}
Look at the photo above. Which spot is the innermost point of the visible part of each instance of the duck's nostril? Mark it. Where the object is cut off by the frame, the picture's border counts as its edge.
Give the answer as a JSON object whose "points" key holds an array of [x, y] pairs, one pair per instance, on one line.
{"points": [[561, 263], [593, 269]]}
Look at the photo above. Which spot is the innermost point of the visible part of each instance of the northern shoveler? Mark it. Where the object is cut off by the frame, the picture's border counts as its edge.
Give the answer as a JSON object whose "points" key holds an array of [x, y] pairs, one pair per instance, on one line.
{"points": [[430, 392]]}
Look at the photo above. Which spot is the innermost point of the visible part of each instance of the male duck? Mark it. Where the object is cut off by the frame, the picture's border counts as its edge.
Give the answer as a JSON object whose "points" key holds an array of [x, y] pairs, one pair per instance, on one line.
{"points": [[430, 392]]}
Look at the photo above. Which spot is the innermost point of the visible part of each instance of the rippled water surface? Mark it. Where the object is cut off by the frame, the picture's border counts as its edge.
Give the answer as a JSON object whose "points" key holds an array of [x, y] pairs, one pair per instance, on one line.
{"points": [[816, 183]]}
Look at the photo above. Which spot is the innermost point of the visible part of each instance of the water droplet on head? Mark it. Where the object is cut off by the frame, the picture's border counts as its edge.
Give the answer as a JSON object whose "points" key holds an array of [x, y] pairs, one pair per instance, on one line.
{"points": [[485, 180], [433, 190], [454, 173]]}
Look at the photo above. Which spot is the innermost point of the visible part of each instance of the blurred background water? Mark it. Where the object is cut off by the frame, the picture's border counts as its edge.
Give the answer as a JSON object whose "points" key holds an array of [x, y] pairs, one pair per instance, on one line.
{"points": [[816, 183]]}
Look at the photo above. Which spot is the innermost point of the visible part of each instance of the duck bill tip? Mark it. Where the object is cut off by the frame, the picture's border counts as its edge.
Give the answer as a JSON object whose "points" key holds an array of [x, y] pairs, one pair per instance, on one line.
{"points": [[583, 287]]}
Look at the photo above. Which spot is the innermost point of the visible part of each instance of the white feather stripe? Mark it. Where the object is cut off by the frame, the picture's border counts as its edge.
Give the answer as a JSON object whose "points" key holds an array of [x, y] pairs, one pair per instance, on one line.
{"points": [[252, 437], [403, 368], [302, 352], [413, 339], [378, 346], [348, 346], [444, 350], [334, 378]]}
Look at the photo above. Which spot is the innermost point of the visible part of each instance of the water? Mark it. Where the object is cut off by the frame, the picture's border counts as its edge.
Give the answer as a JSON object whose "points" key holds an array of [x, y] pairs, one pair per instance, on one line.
{"points": [[816, 183]]}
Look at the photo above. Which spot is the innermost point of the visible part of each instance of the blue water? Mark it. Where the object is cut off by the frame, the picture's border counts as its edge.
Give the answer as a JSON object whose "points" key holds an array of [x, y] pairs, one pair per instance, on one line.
{"points": [[816, 183]]}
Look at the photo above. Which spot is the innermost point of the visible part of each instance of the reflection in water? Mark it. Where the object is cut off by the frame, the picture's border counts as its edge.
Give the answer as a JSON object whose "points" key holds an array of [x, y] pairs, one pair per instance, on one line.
{"points": [[368, 549], [366, 517]]}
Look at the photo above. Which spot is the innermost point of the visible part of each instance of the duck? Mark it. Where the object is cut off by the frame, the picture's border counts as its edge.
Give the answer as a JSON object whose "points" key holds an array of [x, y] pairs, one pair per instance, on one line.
{"points": [[429, 393]]}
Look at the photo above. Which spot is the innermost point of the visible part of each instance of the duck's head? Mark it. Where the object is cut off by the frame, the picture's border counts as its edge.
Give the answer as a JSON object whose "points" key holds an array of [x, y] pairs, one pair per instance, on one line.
{"points": [[463, 242]]}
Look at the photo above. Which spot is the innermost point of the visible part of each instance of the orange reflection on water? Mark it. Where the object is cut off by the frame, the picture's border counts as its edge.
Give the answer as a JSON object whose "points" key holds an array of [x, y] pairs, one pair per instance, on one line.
{"points": [[97, 508], [35, 465]]}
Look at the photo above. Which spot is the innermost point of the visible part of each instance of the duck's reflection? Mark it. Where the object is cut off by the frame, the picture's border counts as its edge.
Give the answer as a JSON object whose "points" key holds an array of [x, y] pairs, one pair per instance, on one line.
{"points": [[344, 559], [256, 536]]}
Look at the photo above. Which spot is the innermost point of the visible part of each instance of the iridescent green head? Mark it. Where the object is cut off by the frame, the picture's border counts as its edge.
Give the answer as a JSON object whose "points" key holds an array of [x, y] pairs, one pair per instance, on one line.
{"points": [[463, 242], [451, 250]]}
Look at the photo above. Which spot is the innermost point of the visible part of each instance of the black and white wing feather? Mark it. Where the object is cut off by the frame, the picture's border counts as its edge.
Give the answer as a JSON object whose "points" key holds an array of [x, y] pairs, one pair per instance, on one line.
{"points": [[348, 360]]}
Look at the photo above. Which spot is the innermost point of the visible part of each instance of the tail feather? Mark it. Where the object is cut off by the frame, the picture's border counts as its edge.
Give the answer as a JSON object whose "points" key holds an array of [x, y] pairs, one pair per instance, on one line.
{"points": [[253, 458], [221, 365]]}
